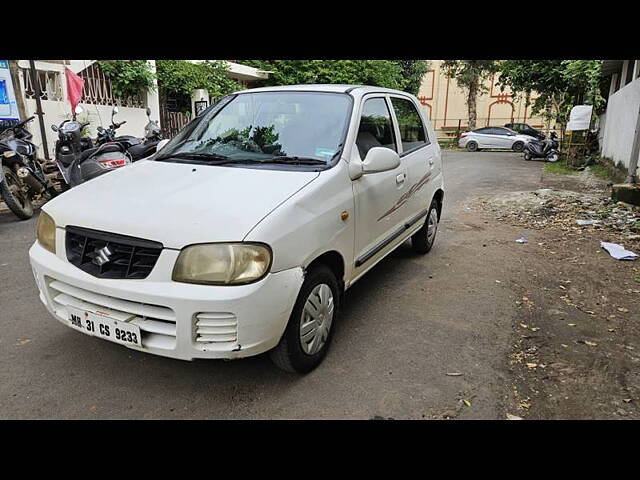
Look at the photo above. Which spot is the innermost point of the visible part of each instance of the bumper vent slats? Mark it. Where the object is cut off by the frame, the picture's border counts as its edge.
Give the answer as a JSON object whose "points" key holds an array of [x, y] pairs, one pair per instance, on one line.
{"points": [[110, 255], [215, 328]]}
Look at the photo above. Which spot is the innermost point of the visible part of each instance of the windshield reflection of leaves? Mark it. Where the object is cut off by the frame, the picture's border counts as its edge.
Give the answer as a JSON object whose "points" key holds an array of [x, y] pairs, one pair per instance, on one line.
{"points": [[259, 139]]}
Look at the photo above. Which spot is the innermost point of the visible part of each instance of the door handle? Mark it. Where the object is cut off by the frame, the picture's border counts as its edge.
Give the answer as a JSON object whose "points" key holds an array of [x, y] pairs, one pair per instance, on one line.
{"points": [[400, 178], [431, 162]]}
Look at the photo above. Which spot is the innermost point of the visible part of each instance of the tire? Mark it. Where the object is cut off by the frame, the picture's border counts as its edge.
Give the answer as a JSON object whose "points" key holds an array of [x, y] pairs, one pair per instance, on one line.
{"points": [[423, 239], [527, 156], [472, 146], [517, 146], [554, 157], [292, 354], [18, 203]]}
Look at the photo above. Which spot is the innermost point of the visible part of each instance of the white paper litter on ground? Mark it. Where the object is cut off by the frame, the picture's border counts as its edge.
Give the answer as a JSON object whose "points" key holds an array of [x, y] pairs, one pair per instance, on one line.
{"points": [[522, 240], [587, 222], [618, 251]]}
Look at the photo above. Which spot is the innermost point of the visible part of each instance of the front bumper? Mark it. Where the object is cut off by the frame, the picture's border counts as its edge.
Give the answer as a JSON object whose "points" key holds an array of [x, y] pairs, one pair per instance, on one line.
{"points": [[240, 321]]}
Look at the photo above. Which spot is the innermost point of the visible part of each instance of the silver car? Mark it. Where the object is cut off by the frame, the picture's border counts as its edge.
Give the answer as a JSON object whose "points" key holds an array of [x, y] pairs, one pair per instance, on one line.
{"points": [[493, 137]]}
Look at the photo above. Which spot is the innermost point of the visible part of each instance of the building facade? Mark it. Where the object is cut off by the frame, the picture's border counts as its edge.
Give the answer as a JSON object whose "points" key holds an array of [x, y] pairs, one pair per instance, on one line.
{"points": [[620, 124], [445, 104]]}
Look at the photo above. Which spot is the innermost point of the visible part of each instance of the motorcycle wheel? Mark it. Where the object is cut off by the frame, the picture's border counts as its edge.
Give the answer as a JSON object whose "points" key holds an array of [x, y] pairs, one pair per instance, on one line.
{"points": [[553, 158], [527, 156], [14, 196]]}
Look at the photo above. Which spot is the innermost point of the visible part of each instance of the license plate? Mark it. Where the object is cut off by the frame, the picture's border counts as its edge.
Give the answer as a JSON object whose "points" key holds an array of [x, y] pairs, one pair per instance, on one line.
{"points": [[104, 327]]}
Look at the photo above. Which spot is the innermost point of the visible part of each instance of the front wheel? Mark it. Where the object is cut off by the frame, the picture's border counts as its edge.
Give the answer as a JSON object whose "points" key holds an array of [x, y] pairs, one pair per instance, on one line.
{"points": [[527, 156], [423, 239], [554, 157], [306, 339], [14, 195]]}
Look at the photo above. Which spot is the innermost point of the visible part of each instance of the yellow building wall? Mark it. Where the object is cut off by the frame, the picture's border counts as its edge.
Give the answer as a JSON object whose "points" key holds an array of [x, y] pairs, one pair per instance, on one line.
{"points": [[445, 104]]}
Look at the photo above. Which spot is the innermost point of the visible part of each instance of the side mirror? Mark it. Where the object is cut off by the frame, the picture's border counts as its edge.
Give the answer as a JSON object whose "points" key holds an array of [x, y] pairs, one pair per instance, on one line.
{"points": [[114, 111], [54, 128], [380, 159], [148, 112], [78, 109]]}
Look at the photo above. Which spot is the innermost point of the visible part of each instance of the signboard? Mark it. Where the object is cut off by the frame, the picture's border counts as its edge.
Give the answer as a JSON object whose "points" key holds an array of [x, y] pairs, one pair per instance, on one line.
{"points": [[8, 107], [580, 117]]}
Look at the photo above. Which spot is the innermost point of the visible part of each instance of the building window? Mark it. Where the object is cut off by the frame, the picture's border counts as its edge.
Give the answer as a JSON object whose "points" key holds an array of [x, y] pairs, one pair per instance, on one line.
{"points": [[629, 76]]}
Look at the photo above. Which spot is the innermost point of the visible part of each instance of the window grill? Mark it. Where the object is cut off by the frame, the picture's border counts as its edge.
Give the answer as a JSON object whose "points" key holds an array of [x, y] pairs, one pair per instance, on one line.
{"points": [[49, 82], [99, 91]]}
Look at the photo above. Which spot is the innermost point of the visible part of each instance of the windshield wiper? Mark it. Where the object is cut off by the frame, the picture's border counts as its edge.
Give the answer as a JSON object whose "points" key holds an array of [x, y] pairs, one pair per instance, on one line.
{"points": [[194, 156], [295, 161]]}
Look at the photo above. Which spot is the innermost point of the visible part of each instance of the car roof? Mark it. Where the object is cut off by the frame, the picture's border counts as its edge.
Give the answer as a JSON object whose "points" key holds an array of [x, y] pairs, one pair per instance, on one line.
{"points": [[329, 87]]}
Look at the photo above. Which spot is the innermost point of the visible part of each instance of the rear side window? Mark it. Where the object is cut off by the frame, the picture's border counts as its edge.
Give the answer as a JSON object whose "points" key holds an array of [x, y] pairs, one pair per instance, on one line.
{"points": [[483, 131], [375, 129], [412, 132]]}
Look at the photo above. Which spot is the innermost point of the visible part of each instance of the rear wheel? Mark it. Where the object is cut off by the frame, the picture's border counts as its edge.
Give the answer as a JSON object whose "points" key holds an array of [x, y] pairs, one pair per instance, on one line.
{"points": [[423, 239], [517, 146], [14, 195], [472, 146], [306, 339]]}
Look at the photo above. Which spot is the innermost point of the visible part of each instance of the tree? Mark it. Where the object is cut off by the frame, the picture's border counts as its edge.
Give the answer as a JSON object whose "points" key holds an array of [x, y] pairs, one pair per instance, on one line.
{"points": [[471, 76], [413, 72], [383, 73], [559, 84], [182, 77]]}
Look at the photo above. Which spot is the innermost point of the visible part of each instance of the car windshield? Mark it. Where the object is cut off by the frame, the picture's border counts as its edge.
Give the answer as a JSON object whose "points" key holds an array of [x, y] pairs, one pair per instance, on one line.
{"points": [[268, 127]]}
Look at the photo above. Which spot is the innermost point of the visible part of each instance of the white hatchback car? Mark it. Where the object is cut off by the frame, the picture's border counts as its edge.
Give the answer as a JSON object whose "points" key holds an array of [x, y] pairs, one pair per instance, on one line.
{"points": [[242, 234]]}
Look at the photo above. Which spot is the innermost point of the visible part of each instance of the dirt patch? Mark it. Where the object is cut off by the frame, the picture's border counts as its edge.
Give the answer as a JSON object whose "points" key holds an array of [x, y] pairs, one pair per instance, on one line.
{"points": [[575, 349]]}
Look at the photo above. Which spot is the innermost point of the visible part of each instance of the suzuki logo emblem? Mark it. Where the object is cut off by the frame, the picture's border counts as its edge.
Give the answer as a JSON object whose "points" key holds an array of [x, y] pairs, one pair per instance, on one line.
{"points": [[102, 256]]}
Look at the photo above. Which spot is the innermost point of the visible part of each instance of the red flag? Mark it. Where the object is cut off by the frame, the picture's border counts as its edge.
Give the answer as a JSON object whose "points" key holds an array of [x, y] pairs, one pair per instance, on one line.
{"points": [[75, 84]]}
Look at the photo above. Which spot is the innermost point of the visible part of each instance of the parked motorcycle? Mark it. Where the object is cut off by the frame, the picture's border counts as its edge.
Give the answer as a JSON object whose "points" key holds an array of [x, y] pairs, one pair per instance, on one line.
{"points": [[22, 178], [78, 159], [137, 149], [546, 149]]}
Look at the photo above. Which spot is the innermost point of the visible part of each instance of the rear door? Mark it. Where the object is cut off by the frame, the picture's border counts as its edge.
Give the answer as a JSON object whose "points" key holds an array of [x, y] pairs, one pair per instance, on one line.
{"points": [[482, 137], [417, 154]]}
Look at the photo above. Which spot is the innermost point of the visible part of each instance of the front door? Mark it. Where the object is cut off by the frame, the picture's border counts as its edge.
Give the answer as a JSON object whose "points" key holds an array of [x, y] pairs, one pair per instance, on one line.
{"points": [[379, 209], [418, 155]]}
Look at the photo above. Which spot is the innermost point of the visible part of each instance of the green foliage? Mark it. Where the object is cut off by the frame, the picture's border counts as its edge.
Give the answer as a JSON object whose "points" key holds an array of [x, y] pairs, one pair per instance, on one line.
{"points": [[128, 77], [401, 75], [182, 77], [470, 74], [560, 84], [561, 167], [413, 72]]}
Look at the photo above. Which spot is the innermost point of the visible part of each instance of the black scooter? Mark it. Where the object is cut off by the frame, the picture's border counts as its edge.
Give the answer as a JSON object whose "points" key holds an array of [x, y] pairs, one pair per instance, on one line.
{"points": [[79, 160], [136, 148], [22, 177], [546, 149]]}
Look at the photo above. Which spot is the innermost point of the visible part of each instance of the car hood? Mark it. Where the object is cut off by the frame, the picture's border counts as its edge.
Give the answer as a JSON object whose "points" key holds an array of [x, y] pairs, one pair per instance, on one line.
{"points": [[177, 204]]}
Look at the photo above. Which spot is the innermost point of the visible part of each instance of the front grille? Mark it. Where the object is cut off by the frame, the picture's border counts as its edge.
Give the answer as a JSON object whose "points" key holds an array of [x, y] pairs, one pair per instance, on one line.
{"points": [[124, 257]]}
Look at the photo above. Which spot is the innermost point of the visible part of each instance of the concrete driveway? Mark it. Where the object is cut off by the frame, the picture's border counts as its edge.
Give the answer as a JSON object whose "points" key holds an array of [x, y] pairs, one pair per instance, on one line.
{"points": [[406, 325]]}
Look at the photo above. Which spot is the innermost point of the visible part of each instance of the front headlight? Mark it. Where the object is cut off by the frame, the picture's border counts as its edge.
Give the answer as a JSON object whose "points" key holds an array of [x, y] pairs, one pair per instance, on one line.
{"points": [[46, 232], [222, 263]]}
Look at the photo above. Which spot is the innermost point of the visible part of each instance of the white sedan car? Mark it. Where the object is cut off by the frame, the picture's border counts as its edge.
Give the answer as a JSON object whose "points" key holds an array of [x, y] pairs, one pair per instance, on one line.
{"points": [[495, 138], [243, 233]]}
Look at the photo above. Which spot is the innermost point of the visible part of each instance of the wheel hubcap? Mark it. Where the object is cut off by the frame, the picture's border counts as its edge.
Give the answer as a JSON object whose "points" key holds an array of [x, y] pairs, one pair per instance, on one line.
{"points": [[432, 226], [317, 317]]}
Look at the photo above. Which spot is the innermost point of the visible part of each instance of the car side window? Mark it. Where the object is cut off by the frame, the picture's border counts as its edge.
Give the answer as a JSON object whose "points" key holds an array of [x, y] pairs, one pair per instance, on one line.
{"points": [[376, 129], [412, 131], [483, 131]]}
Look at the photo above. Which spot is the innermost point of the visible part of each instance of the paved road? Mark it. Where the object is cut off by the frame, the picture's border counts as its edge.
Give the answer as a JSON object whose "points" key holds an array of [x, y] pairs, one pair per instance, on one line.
{"points": [[405, 325]]}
